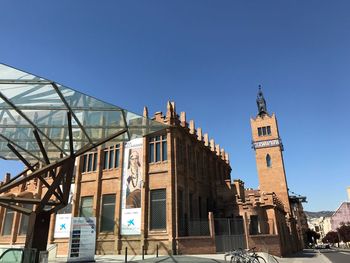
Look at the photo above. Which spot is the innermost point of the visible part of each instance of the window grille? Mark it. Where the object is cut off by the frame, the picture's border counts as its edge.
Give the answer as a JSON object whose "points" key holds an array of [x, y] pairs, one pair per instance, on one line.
{"points": [[157, 149], [107, 214], [158, 209]]}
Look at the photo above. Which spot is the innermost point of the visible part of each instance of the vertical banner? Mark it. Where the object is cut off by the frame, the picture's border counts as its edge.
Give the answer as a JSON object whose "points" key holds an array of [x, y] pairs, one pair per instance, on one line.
{"points": [[64, 217], [131, 187], [82, 240]]}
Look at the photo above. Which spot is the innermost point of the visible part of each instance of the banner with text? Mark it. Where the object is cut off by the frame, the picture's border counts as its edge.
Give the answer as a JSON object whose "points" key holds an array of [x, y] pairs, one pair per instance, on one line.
{"points": [[131, 188]]}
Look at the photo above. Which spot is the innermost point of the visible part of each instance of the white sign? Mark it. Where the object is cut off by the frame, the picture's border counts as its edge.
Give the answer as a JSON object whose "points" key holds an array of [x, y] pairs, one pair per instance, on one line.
{"points": [[132, 185], [62, 226], [82, 239]]}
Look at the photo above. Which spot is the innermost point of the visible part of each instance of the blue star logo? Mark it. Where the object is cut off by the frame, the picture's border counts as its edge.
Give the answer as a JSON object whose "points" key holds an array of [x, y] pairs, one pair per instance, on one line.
{"points": [[131, 222], [62, 226]]}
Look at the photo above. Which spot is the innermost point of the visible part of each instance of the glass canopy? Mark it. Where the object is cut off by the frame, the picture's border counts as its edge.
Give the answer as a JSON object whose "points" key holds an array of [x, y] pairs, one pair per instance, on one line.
{"points": [[29, 102]]}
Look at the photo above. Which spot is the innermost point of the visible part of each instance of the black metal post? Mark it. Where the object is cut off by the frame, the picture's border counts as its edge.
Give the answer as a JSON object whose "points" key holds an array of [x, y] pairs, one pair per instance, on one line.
{"points": [[157, 250], [126, 254], [143, 252]]}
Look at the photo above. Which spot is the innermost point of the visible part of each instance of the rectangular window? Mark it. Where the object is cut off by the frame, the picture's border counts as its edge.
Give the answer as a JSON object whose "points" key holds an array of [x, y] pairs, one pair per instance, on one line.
{"points": [[86, 207], [116, 156], [158, 149], [89, 168], [111, 157], [94, 167], [268, 130], [259, 131], [107, 214], [105, 159], [158, 209], [7, 230], [84, 163], [24, 220], [263, 131]]}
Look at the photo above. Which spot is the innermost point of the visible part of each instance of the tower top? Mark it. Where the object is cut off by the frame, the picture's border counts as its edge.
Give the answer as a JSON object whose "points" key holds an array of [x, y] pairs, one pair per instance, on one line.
{"points": [[260, 101]]}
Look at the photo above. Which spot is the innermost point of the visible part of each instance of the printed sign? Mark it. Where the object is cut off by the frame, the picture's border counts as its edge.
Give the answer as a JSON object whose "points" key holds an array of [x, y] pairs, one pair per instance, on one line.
{"points": [[64, 217], [132, 185], [82, 239], [62, 226]]}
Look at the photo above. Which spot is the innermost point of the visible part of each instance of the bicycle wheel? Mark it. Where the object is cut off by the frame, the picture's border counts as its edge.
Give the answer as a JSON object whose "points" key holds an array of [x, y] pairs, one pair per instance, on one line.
{"points": [[260, 259], [235, 260]]}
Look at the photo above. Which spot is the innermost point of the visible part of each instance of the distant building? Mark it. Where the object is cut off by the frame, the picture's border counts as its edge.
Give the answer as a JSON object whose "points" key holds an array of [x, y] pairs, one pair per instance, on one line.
{"points": [[342, 214]]}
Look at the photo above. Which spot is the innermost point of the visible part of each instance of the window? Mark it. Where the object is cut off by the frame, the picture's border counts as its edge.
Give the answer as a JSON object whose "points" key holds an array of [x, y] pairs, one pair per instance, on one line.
{"points": [[157, 149], [7, 230], [268, 160], [158, 209], [89, 162], [111, 157], [86, 206], [24, 220], [263, 131], [107, 214]]}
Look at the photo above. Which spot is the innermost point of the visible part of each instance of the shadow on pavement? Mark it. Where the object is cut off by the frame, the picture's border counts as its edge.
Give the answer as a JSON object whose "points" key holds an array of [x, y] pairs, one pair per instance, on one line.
{"points": [[306, 253], [180, 259]]}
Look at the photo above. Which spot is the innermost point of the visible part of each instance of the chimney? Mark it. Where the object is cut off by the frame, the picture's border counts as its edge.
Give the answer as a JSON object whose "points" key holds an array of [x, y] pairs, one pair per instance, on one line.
{"points": [[227, 158], [192, 129], [212, 145], [7, 177], [158, 116], [217, 149], [348, 193], [199, 134], [169, 110], [239, 185], [183, 119], [145, 112], [222, 152], [206, 139], [173, 105]]}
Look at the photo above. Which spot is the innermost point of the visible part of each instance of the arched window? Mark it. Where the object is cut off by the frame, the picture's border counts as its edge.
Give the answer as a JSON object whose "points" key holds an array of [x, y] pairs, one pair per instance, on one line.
{"points": [[268, 160]]}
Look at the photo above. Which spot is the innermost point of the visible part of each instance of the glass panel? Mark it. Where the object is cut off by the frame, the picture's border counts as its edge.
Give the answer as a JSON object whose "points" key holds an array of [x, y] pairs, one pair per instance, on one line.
{"points": [[268, 130], [111, 159], [107, 215], [116, 158], [86, 207], [158, 209], [89, 168], [7, 230], [95, 162], [84, 163], [40, 102], [259, 131], [24, 220], [164, 151], [151, 153], [264, 130], [157, 152], [105, 159]]}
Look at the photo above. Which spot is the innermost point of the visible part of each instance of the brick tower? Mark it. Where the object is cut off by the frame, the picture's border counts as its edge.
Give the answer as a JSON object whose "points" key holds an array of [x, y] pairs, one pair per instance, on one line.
{"points": [[268, 153]]}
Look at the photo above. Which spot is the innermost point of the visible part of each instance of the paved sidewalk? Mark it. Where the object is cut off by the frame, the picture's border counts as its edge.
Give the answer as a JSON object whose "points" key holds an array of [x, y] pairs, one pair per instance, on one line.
{"points": [[306, 256]]}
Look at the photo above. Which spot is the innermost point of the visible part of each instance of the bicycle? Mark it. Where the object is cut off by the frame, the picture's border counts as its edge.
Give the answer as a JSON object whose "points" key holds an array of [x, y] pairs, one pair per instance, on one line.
{"points": [[245, 256]]}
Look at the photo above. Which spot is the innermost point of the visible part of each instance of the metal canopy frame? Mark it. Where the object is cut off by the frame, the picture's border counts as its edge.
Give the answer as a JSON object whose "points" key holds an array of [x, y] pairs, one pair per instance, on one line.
{"points": [[47, 126]]}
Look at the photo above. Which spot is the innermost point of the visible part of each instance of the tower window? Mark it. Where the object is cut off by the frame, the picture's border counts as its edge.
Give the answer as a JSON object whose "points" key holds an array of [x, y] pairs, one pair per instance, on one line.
{"points": [[268, 160], [263, 131]]}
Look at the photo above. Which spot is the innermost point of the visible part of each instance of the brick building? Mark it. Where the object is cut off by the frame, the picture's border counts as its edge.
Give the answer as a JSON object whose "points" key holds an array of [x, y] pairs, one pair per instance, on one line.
{"points": [[182, 176], [275, 220], [173, 189]]}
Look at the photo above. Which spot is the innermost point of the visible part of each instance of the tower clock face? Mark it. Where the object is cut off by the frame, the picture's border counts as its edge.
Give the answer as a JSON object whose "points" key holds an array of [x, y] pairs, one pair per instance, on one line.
{"points": [[267, 143]]}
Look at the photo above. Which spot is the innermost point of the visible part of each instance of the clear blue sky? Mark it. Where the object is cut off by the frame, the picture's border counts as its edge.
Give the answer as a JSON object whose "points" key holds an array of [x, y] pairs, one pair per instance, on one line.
{"points": [[209, 57]]}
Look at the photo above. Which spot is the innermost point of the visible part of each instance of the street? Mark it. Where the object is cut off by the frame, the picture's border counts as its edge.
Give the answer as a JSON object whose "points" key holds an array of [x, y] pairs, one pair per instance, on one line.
{"points": [[337, 255]]}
